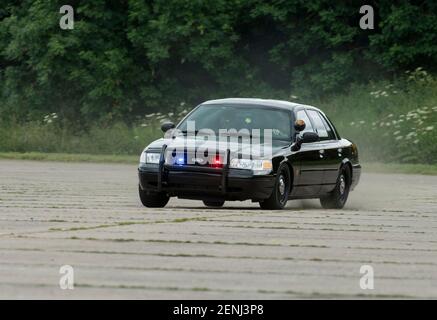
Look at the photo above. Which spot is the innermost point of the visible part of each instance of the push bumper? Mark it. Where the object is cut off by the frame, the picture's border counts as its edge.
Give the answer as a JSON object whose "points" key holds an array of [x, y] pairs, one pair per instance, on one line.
{"points": [[206, 183]]}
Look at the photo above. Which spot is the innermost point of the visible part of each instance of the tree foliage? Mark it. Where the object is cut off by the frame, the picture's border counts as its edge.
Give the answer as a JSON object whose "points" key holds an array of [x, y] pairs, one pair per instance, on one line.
{"points": [[128, 57]]}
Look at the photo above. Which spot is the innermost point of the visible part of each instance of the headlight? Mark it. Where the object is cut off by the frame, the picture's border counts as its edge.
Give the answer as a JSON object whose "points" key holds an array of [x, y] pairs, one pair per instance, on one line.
{"points": [[152, 157], [257, 166], [149, 157]]}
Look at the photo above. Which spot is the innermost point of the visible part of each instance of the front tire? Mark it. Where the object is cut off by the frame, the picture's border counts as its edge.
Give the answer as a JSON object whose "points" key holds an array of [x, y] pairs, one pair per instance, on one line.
{"points": [[279, 197], [153, 199], [337, 198], [213, 204]]}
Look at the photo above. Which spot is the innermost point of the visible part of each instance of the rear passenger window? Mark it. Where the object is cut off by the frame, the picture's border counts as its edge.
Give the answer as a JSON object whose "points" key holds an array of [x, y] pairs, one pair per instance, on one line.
{"points": [[302, 115], [322, 127]]}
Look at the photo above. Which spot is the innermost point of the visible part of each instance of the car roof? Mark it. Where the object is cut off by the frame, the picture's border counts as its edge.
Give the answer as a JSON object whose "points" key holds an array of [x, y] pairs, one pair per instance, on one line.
{"points": [[281, 104]]}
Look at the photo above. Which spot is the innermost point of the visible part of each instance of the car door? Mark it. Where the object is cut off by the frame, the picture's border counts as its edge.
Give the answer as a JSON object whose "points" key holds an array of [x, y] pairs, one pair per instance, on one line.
{"points": [[309, 162], [331, 153]]}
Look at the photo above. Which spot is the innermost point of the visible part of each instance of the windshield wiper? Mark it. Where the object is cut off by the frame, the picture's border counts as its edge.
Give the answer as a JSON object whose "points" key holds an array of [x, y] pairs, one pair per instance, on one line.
{"points": [[185, 132], [233, 134]]}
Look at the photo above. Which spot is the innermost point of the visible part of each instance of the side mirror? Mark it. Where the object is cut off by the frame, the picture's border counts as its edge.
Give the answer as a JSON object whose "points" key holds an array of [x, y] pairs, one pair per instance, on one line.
{"points": [[299, 125], [307, 137], [167, 126]]}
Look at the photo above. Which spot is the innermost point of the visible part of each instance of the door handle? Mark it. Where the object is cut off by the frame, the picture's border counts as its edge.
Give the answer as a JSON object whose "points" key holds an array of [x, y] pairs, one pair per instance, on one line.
{"points": [[321, 153]]}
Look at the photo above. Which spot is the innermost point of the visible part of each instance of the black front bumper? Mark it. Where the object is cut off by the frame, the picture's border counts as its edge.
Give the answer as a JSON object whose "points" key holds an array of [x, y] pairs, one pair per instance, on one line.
{"points": [[206, 183]]}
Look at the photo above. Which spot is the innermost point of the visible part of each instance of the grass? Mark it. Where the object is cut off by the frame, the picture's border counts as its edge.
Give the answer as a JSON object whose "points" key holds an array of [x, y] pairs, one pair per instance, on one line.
{"points": [[69, 157], [392, 122], [376, 167]]}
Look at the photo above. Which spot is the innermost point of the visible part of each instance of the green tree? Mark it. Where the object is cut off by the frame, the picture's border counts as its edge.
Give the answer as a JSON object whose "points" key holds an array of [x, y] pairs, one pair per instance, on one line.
{"points": [[129, 57]]}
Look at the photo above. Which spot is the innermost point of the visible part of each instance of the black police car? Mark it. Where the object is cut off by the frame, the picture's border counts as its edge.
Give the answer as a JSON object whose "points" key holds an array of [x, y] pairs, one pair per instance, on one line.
{"points": [[214, 155]]}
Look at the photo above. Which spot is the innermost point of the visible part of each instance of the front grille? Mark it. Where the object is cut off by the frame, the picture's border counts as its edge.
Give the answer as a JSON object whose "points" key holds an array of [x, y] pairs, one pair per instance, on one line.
{"points": [[193, 158]]}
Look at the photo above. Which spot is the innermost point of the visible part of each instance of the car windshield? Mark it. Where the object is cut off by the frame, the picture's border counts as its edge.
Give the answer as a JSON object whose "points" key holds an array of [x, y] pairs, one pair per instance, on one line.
{"points": [[238, 117]]}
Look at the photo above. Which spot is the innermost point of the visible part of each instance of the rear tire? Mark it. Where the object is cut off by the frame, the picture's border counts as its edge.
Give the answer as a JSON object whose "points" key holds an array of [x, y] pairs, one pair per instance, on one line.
{"points": [[279, 197], [213, 204], [337, 198], [153, 199]]}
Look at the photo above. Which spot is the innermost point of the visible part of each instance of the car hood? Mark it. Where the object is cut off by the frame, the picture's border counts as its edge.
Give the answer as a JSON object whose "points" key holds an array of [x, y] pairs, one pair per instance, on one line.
{"points": [[180, 143]]}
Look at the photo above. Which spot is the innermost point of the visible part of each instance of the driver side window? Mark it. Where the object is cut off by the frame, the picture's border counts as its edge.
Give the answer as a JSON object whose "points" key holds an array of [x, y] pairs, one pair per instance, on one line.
{"points": [[302, 115], [323, 130]]}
